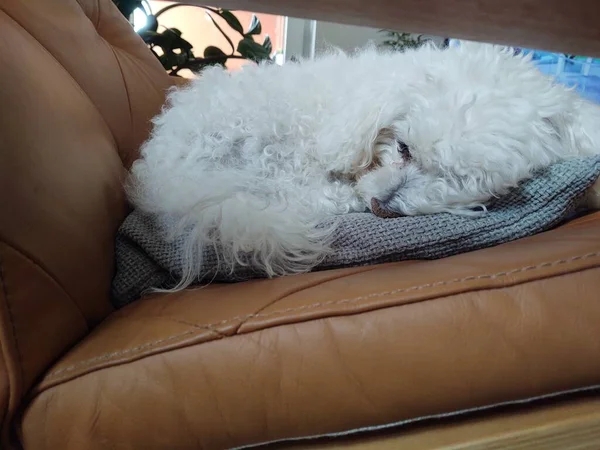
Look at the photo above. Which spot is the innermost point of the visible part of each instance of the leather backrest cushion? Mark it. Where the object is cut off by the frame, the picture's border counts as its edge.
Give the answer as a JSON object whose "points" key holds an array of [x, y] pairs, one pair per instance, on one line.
{"points": [[77, 90]]}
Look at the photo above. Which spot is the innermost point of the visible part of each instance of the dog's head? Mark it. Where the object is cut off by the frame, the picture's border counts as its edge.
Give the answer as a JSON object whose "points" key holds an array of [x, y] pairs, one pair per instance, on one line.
{"points": [[470, 123]]}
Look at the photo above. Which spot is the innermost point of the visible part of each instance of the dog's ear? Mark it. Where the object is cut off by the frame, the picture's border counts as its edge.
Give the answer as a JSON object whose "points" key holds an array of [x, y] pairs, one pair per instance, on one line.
{"points": [[369, 158], [579, 128]]}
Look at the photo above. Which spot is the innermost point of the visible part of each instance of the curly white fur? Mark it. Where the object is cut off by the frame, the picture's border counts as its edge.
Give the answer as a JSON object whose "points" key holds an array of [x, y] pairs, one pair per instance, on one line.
{"points": [[252, 162]]}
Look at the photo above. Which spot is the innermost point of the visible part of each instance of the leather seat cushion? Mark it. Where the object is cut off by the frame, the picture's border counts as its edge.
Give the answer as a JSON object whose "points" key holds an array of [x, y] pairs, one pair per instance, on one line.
{"points": [[321, 353]]}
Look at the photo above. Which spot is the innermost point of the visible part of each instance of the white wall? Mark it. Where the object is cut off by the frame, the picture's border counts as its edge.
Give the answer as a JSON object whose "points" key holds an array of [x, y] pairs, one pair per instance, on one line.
{"points": [[345, 37], [294, 40]]}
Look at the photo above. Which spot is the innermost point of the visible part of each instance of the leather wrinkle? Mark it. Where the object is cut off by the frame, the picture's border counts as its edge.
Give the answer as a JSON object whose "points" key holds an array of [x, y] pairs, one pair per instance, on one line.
{"points": [[11, 317], [98, 13], [125, 85], [349, 373], [38, 265], [67, 72], [211, 326], [292, 291], [199, 327], [84, 93]]}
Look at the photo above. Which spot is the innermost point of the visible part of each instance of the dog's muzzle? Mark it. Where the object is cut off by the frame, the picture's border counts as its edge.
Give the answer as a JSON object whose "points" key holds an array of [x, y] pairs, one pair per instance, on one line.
{"points": [[381, 211]]}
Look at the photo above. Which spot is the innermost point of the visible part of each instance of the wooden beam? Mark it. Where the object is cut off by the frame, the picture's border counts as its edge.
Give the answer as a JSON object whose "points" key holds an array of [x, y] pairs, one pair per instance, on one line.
{"points": [[569, 26], [557, 425]]}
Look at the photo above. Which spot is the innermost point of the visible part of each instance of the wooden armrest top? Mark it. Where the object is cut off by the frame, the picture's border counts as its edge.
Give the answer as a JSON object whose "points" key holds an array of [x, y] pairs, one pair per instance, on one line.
{"points": [[570, 26]]}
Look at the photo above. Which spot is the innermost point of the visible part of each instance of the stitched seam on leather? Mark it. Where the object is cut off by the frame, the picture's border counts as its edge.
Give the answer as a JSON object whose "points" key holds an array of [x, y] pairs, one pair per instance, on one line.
{"points": [[198, 327], [210, 326], [11, 316], [410, 289], [296, 289]]}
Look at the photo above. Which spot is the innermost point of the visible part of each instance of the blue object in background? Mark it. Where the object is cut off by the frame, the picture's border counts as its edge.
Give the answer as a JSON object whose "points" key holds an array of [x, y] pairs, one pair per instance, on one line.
{"points": [[580, 72]]}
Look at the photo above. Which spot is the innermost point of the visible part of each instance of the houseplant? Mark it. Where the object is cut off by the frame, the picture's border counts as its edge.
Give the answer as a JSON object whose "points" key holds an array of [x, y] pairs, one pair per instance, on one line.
{"points": [[175, 53], [400, 41]]}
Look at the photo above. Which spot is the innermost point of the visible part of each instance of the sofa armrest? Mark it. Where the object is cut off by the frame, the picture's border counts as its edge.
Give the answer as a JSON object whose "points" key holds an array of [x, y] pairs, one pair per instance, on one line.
{"points": [[81, 91], [38, 322]]}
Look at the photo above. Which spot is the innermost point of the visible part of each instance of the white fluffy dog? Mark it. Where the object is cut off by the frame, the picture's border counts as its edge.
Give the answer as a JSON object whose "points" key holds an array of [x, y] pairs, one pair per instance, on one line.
{"points": [[253, 162]]}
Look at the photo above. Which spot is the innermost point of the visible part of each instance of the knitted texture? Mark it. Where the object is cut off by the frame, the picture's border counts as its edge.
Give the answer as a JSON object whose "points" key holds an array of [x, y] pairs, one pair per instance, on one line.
{"points": [[146, 260]]}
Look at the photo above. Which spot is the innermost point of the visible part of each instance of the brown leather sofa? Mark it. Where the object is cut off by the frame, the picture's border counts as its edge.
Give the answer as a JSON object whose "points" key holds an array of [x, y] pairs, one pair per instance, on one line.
{"points": [[436, 342]]}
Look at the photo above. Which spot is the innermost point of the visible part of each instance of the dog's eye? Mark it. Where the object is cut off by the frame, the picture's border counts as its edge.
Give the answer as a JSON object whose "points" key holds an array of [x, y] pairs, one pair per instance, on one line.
{"points": [[403, 150]]}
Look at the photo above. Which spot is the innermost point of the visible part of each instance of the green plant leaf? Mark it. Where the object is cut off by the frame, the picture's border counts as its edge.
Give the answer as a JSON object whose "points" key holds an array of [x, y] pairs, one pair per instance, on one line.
{"points": [[176, 50], [174, 40], [214, 52], [255, 26], [150, 37], [170, 60], [151, 24], [231, 20], [128, 6], [268, 45], [213, 56], [252, 50]]}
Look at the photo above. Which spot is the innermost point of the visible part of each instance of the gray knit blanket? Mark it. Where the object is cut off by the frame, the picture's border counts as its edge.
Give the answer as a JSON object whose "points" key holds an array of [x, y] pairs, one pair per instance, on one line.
{"points": [[146, 260]]}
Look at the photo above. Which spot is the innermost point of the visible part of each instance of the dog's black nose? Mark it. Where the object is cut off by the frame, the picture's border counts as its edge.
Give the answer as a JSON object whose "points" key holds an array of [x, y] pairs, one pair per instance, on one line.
{"points": [[381, 211]]}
